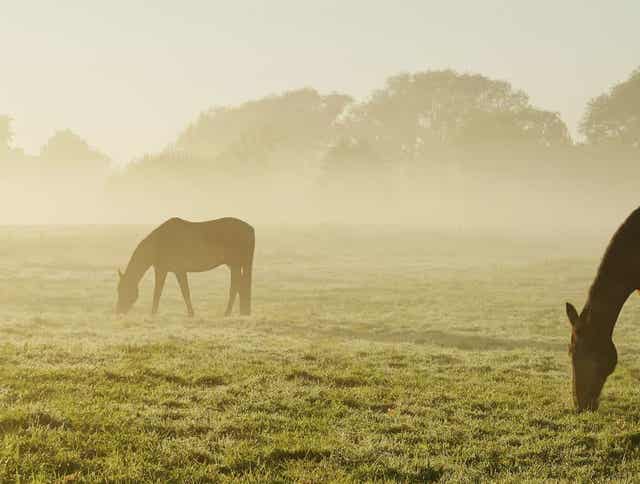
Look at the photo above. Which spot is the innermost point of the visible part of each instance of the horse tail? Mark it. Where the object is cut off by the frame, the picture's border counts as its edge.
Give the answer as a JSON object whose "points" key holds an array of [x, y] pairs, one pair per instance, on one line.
{"points": [[247, 270]]}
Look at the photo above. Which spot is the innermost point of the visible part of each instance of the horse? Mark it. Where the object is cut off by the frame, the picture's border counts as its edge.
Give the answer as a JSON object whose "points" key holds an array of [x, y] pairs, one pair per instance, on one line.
{"points": [[593, 355], [181, 246]]}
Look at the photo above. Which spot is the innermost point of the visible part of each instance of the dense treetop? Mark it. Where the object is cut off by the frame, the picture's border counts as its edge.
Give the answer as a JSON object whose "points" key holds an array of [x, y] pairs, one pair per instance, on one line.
{"points": [[613, 118]]}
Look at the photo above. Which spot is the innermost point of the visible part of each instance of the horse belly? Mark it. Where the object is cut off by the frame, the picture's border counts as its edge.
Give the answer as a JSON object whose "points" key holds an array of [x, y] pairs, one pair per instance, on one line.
{"points": [[203, 266], [196, 259]]}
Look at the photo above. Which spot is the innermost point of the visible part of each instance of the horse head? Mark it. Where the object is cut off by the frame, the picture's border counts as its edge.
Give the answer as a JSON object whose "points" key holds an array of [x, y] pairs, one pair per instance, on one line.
{"points": [[593, 355], [127, 293]]}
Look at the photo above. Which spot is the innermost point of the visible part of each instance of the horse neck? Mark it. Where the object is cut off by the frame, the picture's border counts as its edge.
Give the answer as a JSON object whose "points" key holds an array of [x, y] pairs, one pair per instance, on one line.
{"points": [[141, 260], [606, 298]]}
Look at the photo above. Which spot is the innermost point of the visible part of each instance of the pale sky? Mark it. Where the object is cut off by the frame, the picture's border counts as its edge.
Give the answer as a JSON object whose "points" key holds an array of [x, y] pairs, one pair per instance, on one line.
{"points": [[129, 75]]}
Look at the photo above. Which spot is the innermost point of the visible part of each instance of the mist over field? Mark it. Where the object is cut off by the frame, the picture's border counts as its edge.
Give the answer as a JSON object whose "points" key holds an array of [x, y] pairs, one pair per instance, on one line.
{"points": [[436, 149]]}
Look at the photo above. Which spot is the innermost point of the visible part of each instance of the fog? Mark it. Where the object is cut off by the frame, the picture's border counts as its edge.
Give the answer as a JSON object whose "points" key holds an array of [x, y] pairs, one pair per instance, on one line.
{"points": [[431, 149], [412, 115], [554, 201]]}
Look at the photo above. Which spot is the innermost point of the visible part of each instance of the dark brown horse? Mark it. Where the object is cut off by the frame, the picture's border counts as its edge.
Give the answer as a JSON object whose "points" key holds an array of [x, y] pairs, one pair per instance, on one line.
{"points": [[180, 247], [593, 354]]}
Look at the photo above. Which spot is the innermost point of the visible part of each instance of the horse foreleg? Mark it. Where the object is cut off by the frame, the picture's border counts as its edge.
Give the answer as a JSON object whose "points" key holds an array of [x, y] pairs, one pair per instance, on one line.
{"points": [[161, 276], [234, 288], [184, 287]]}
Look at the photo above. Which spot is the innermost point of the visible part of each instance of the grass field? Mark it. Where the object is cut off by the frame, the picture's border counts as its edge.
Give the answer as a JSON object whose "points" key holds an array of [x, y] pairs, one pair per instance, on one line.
{"points": [[372, 355]]}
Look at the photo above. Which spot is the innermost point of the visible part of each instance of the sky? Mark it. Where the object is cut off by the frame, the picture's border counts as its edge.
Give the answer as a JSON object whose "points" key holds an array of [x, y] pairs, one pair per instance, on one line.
{"points": [[128, 76]]}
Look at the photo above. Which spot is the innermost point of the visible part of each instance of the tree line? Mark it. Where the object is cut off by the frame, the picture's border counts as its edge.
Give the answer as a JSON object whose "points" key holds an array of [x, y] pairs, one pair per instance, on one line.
{"points": [[65, 152], [410, 124]]}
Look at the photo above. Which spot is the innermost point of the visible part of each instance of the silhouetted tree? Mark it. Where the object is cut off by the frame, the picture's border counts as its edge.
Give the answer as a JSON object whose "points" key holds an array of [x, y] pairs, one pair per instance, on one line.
{"points": [[6, 135], [65, 145], [613, 118], [352, 157], [417, 114], [527, 126], [290, 126]]}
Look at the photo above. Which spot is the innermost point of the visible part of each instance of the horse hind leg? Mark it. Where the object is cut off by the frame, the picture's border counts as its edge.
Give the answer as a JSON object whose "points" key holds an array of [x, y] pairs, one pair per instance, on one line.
{"points": [[184, 288], [245, 291], [234, 288]]}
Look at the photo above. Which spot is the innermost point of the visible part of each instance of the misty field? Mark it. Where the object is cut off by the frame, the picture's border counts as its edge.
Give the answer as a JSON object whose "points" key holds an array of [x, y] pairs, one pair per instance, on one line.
{"points": [[373, 354]]}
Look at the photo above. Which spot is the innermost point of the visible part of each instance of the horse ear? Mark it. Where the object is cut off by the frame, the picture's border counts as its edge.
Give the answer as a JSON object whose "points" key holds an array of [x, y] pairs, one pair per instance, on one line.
{"points": [[574, 318], [120, 274]]}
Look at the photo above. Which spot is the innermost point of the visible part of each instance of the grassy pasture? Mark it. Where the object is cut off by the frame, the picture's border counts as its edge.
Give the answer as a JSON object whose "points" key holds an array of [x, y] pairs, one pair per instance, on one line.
{"points": [[372, 355]]}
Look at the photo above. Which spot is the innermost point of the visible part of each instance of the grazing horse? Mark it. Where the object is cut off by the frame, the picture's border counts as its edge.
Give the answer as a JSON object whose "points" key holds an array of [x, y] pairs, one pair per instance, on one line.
{"points": [[180, 247], [593, 354]]}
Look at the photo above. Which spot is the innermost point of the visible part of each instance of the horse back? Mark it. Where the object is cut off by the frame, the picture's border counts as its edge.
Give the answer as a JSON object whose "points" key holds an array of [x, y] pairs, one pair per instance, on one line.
{"points": [[198, 246]]}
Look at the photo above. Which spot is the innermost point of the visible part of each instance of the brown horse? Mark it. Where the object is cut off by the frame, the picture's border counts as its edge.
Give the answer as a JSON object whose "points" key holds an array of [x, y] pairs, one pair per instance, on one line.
{"points": [[593, 354], [180, 247]]}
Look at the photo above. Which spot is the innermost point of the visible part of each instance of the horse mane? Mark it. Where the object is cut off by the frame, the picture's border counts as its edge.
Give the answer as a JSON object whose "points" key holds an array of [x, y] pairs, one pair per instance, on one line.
{"points": [[614, 265]]}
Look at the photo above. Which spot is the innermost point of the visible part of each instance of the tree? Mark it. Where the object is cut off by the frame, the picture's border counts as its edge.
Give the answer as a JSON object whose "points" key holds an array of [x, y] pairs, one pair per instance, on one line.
{"points": [[6, 134], [419, 114], [527, 126], [67, 146], [613, 118], [274, 135], [287, 126], [352, 157]]}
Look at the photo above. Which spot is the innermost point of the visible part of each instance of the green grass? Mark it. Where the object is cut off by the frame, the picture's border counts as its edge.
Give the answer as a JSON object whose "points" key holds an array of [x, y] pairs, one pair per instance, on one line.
{"points": [[372, 355]]}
